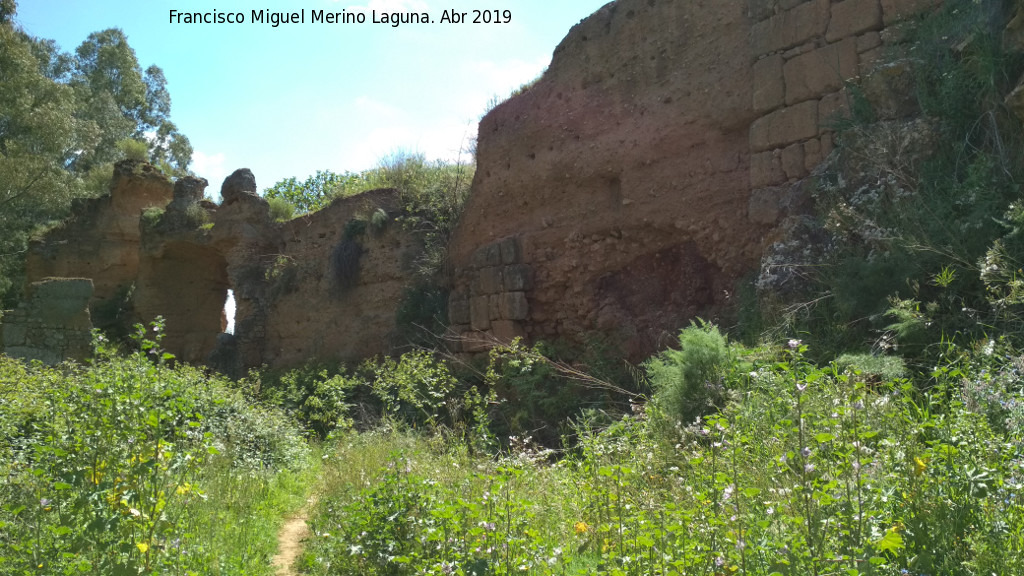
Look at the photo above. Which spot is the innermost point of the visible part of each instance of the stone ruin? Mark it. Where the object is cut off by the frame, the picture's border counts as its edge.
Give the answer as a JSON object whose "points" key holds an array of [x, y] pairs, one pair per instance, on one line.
{"points": [[625, 193]]}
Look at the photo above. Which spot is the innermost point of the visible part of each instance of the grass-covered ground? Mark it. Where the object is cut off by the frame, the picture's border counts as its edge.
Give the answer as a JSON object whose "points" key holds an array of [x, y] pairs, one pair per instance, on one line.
{"points": [[129, 466]]}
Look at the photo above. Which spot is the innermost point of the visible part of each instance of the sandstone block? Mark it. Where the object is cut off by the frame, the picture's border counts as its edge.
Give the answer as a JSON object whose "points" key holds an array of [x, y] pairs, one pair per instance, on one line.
{"points": [[506, 331], [510, 252], [494, 306], [766, 169], [793, 161], [763, 206], [14, 334], [490, 280], [241, 182], [769, 86], [458, 309], [790, 28], [820, 71], [480, 312], [812, 155], [868, 41], [513, 306], [489, 255], [895, 10], [785, 126], [518, 277], [851, 17]]}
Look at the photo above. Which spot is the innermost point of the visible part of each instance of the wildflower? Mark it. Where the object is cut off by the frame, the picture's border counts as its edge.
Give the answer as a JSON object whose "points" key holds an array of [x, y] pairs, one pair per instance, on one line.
{"points": [[143, 547], [858, 405], [801, 387], [808, 468], [727, 493], [806, 452], [919, 466], [581, 527], [794, 343], [44, 502]]}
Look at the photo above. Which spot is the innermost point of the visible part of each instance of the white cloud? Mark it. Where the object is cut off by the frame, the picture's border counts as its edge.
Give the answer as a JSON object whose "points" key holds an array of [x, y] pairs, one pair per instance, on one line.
{"points": [[213, 168]]}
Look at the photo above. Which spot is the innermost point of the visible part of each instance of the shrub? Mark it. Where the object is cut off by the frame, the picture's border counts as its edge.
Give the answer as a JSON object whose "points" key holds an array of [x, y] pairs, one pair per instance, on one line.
{"points": [[281, 210], [690, 382], [131, 149]]}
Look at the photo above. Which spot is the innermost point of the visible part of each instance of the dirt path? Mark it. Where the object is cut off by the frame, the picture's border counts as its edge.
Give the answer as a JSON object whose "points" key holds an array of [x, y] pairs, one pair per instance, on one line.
{"points": [[289, 540]]}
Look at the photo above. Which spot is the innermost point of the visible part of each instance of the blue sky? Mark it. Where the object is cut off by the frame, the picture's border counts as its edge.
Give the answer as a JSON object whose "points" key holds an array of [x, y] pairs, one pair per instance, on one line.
{"points": [[290, 100]]}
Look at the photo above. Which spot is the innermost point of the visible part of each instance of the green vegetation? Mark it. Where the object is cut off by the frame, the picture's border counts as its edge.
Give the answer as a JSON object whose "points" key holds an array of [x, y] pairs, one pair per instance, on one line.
{"points": [[876, 426], [128, 466], [64, 120], [920, 214]]}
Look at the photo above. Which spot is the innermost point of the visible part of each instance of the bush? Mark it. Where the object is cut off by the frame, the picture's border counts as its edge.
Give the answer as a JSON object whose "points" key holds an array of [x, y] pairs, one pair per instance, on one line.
{"points": [[281, 210], [690, 382], [131, 149]]}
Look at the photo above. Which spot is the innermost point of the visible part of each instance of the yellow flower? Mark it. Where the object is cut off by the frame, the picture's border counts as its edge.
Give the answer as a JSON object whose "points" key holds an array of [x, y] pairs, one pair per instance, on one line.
{"points": [[581, 527], [919, 466], [183, 489], [143, 547]]}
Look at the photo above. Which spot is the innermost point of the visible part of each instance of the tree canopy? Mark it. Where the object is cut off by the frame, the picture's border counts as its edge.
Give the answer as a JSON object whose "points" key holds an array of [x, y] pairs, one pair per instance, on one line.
{"points": [[64, 121]]}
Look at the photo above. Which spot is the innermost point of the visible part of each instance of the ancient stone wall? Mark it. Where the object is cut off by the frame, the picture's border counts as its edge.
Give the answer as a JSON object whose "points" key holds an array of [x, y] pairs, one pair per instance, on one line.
{"points": [[647, 168], [101, 238], [52, 323], [625, 193], [804, 54]]}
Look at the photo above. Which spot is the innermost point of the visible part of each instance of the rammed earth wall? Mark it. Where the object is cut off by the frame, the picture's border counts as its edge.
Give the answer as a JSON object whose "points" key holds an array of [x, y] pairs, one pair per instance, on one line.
{"points": [[624, 194]]}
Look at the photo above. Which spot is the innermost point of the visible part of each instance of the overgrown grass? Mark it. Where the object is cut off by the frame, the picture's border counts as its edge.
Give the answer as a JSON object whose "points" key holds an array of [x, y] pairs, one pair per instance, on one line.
{"points": [[805, 470], [128, 466]]}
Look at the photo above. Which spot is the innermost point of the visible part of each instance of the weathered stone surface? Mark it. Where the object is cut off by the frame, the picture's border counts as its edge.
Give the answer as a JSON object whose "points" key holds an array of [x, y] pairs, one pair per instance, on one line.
{"points": [[240, 182], [510, 251], [769, 86], [490, 280], [458, 309], [785, 126], [820, 71], [790, 27], [868, 41], [518, 277], [793, 161], [513, 306], [489, 255], [766, 170], [812, 155], [480, 312], [633, 148], [101, 238], [504, 331], [52, 323], [851, 17]]}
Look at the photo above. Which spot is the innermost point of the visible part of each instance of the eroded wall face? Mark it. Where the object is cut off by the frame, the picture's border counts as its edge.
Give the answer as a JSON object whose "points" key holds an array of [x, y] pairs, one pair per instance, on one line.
{"points": [[623, 174], [334, 290], [624, 193], [101, 239]]}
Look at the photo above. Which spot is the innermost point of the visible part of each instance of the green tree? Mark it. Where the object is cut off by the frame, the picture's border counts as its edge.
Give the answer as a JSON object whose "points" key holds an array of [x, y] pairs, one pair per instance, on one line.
{"points": [[39, 135]]}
